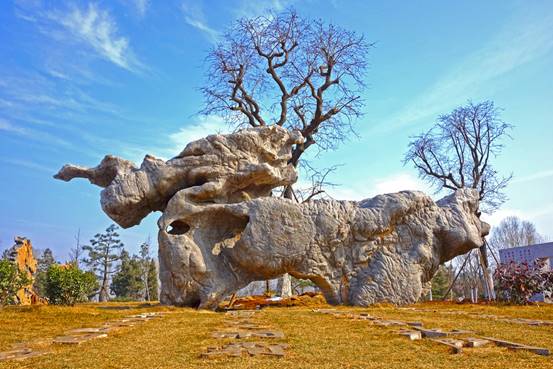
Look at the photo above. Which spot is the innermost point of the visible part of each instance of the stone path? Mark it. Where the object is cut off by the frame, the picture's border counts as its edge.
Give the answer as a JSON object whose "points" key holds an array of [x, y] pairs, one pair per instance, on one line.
{"points": [[239, 326], [455, 339], [533, 322], [77, 336]]}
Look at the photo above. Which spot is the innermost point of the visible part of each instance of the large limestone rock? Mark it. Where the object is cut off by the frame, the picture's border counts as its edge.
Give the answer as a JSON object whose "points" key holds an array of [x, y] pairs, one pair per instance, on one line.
{"points": [[218, 168], [21, 254], [380, 249], [220, 231]]}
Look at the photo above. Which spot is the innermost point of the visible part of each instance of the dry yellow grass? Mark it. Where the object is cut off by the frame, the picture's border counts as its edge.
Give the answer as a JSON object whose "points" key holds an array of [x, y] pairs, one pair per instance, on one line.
{"points": [[316, 340]]}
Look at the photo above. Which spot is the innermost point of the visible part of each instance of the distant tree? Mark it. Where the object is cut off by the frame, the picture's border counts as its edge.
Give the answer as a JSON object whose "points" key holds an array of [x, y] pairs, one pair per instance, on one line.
{"points": [[43, 263], [104, 251], [153, 292], [299, 285], [145, 267], [11, 281], [514, 232], [441, 281], [67, 285], [75, 254], [128, 282]]}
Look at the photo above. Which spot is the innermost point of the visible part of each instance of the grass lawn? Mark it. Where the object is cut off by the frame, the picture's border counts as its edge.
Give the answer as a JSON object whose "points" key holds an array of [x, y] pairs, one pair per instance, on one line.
{"points": [[315, 340]]}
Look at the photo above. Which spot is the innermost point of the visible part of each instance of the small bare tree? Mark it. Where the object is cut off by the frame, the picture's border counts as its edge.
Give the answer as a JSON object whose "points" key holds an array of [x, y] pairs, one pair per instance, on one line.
{"points": [[456, 153], [289, 71], [514, 232]]}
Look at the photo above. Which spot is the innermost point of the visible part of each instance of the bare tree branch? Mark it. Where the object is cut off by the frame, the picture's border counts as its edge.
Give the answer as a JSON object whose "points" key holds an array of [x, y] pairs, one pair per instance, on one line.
{"points": [[267, 66], [456, 152]]}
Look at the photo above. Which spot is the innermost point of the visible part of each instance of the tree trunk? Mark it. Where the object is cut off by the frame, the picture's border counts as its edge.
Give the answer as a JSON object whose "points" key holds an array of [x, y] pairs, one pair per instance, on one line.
{"points": [[286, 290], [286, 281], [104, 295], [488, 280]]}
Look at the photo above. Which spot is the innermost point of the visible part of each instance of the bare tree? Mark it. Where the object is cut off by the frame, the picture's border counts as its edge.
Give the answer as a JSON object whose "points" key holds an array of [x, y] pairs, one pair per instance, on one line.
{"points": [[318, 182], [514, 232], [289, 71], [75, 254], [456, 153]]}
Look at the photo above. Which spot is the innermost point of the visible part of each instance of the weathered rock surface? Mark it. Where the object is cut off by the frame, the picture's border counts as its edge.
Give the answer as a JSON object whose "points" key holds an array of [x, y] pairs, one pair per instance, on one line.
{"points": [[22, 255], [219, 231], [218, 168], [380, 249]]}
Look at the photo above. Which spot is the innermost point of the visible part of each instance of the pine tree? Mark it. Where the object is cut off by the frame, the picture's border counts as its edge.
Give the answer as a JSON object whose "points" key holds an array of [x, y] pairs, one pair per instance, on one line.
{"points": [[127, 283], [441, 281], [103, 252], [152, 280], [145, 266], [43, 263]]}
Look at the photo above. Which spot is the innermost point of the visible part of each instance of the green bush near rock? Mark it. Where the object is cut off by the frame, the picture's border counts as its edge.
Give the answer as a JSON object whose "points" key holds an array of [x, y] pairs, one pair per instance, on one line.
{"points": [[11, 281], [67, 285]]}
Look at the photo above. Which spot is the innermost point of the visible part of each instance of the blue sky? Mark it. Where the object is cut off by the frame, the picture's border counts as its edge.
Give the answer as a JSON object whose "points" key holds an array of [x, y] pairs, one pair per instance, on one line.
{"points": [[83, 79]]}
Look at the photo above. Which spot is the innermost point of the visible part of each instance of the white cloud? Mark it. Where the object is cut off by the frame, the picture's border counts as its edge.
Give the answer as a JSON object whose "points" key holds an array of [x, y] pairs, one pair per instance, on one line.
{"points": [[29, 165], [204, 126], [496, 218], [8, 127], [195, 17], [249, 8], [201, 127], [33, 134], [363, 189], [141, 6], [520, 43], [534, 176], [98, 29]]}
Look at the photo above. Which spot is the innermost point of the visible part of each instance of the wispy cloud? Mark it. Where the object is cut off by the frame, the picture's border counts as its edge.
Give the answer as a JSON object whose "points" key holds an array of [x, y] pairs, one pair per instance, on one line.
{"points": [[8, 127], [28, 165], [534, 176], [141, 6], [365, 188], [202, 127], [521, 42], [195, 17], [32, 134], [248, 8], [97, 28]]}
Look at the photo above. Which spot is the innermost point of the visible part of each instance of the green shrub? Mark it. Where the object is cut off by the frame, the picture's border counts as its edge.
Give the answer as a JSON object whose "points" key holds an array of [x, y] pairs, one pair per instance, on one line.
{"points": [[67, 285], [11, 281]]}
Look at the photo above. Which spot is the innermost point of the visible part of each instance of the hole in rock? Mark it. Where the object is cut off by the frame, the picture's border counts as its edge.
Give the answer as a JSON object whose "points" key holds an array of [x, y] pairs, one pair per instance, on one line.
{"points": [[178, 227]]}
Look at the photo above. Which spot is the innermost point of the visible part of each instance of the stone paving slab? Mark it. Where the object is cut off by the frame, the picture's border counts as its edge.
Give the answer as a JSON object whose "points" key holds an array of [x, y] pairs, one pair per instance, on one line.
{"points": [[250, 348], [78, 339], [456, 346], [519, 346], [87, 330], [20, 354], [412, 335], [475, 342], [248, 333]]}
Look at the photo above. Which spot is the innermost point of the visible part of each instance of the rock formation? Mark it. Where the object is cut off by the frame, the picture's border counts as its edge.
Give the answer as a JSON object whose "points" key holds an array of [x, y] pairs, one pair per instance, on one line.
{"points": [[359, 253], [22, 255], [220, 231], [218, 168]]}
